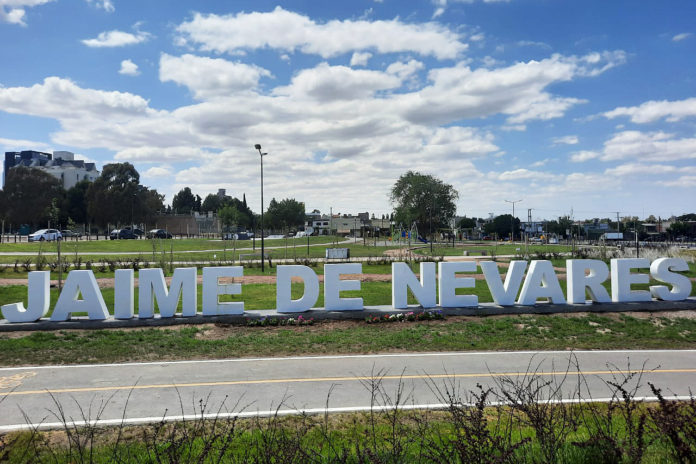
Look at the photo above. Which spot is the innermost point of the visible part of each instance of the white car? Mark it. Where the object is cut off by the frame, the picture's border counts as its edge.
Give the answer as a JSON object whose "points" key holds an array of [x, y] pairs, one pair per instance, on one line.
{"points": [[45, 235]]}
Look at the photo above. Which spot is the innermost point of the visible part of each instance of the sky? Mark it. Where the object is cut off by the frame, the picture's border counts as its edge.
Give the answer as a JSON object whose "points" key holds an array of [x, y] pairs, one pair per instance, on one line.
{"points": [[580, 108]]}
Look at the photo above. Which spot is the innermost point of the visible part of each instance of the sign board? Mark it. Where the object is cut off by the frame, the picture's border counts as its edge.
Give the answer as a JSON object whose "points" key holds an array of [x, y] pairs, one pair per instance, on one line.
{"points": [[524, 284], [337, 253]]}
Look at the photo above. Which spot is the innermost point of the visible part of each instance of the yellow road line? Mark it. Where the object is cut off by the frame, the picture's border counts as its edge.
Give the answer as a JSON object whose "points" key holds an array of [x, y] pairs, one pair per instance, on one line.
{"points": [[334, 379]]}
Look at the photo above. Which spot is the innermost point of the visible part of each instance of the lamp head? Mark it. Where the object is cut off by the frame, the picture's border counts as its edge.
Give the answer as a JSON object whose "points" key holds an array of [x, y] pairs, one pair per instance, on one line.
{"points": [[257, 146]]}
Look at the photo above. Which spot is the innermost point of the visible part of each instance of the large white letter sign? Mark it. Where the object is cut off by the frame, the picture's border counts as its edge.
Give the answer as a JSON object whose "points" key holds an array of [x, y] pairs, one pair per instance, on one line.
{"points": [[424, 291], [80, 283], [504, 295], [621, 280], [333, 286], [541, 282], [212, 290], [577, 281], [661, 269], [284, 301], [449, 283], [154, 287], [123, 294], [39, 298]]}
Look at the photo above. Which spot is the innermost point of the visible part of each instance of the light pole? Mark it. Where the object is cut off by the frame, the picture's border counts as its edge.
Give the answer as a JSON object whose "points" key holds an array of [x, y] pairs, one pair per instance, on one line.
{"points": [[261, 155], [512, 220]]}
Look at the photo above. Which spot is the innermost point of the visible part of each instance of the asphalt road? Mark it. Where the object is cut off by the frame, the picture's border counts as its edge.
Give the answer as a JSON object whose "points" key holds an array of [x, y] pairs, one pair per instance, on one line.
{"points": [[48, 395]]}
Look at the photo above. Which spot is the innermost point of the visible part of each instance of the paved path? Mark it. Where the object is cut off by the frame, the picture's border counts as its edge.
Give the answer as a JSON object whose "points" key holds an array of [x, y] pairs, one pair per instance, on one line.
{"points": [[257, 386]]}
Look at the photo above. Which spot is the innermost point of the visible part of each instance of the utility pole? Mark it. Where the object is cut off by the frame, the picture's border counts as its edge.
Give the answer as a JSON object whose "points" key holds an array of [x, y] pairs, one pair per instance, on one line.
{"points": [[512, 220]]}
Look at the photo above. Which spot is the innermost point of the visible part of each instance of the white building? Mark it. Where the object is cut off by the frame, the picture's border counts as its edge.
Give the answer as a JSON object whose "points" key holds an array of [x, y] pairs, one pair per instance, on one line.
{"points": [[70, 171]]}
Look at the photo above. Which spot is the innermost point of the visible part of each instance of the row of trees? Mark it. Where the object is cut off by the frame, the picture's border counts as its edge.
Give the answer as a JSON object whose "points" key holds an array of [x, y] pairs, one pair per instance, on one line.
{"points": [[36, 198]]}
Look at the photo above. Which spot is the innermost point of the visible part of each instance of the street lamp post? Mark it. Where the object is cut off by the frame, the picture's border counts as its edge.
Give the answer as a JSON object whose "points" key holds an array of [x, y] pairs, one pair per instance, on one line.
{"points": [[261, 155], [512, 220]]}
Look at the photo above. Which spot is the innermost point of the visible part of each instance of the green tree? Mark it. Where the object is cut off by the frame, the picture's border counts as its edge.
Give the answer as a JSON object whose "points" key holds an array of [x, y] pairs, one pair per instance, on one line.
{"points": [[211, 202], [185, 201], [422, 197], [116, 197], [467, 223], [285, 214], [500, 225], [29, 195], [245, 214], [229, 216], [677, 229], [76, 202]]}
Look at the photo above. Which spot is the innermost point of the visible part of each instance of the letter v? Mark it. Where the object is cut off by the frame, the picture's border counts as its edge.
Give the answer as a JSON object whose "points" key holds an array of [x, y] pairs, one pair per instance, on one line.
{"points": [[504, 294]]}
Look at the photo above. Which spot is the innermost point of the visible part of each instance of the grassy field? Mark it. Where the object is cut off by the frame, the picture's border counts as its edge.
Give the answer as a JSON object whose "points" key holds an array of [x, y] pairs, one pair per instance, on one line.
{"points": [[625, 431], [534, 332]]}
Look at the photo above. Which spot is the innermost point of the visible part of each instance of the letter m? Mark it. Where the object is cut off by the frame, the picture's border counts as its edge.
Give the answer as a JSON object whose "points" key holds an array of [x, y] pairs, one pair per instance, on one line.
{"points": [[153, 288]]}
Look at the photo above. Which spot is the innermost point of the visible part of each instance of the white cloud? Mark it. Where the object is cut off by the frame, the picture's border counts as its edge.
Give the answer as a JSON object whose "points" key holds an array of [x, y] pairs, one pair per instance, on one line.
{"points": [[210, 77], [289, 31], [405, 69], [652, 111], [524, 174], [682, 36], [14, 11], [172, 154], [540, 163], [648, 146], [155, 172], [566, 140], [582, 156], [360, 59], [117, 39], [20, 144], [128, 68], [337, 83], [459, 93], [680, 182], [105, 5]]}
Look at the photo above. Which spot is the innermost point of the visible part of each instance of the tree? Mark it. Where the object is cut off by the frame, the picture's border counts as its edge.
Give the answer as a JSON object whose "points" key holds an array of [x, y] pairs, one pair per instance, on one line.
{"points": [[229, 215], [245, 214], [500, 225], [76, 202], [677, 229], [285, 214], [466, 223], [211, 202], [31, 196], [422, 197], [117, 197], [185, 202]]}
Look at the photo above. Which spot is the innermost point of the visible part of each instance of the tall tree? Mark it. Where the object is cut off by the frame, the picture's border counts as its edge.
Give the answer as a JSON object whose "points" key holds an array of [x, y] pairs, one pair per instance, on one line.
{"points": [[185, 202], [229, 216], [285, 214], [211, 202], [31, 196], [116, 196], [76, 202], [423, 198], [500, 225]]}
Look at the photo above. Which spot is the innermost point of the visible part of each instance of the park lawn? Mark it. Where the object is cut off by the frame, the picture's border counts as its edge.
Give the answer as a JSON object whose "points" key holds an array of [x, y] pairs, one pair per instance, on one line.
{"points": [[146, 246], [532, 332], [490, 249]]}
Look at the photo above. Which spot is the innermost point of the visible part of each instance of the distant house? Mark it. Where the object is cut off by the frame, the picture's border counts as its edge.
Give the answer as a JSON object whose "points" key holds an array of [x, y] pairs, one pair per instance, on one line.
{"points": [[60, 164]]}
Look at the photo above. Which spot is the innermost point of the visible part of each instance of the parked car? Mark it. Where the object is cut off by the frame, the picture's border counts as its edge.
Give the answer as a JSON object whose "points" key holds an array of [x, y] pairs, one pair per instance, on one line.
{"points": [[45, 235], [70, 233], [138, 232], [236, 236], [158, 233], [122, 234]]}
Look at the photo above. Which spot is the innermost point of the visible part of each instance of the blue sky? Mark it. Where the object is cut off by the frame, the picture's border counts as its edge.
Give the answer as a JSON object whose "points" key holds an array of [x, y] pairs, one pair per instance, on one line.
{"points": [[573, 107]]}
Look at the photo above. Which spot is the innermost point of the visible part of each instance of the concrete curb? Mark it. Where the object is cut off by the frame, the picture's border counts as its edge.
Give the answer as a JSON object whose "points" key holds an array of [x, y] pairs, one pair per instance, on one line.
{"points": [[320, 314]]}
